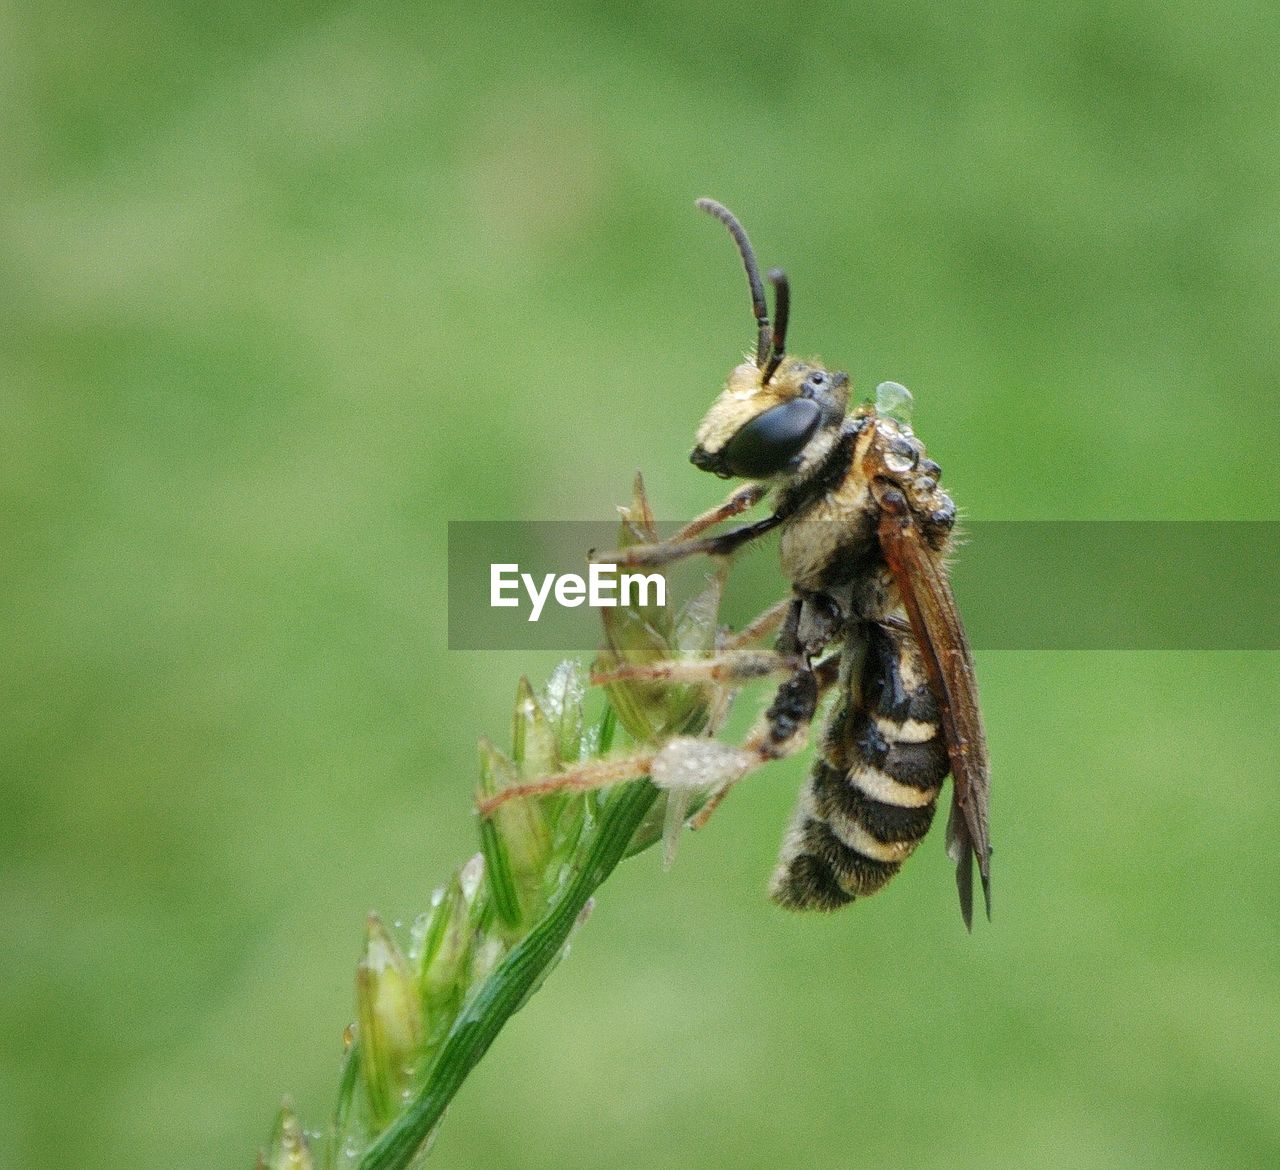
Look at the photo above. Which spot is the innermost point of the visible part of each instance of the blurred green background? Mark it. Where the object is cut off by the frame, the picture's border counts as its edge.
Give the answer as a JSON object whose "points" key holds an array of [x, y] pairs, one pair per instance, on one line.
{"points": [[286, 288]]}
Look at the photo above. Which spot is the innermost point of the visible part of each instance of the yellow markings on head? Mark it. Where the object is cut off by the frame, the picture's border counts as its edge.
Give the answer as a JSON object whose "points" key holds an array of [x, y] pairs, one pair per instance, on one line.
{"points": [[744, 396]]}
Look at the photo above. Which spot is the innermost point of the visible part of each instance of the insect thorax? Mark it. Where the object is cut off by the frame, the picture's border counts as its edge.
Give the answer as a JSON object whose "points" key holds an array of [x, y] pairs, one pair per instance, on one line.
{"points": [[829, 542]]}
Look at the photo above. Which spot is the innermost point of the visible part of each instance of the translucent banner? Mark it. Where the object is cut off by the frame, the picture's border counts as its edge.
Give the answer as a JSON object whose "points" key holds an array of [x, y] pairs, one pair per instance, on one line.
{"points": [[1020, 585]]}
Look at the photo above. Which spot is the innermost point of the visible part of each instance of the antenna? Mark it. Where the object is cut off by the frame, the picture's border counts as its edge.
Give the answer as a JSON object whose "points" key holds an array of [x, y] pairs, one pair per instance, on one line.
{"points": [[781, 314], [764, 340]]}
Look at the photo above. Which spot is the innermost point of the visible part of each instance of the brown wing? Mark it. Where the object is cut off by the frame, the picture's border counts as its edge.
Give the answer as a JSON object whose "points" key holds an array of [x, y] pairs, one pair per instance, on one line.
{"points": [[922, 581]]}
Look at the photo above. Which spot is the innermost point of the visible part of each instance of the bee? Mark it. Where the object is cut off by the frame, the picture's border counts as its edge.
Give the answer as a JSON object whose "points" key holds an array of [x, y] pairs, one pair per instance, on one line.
{"points": [[865, 532]]}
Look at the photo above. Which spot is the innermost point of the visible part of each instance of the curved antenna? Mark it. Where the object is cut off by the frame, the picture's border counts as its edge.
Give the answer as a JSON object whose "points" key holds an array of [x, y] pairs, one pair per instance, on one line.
{"points": [[758, 305], [781, 314]]}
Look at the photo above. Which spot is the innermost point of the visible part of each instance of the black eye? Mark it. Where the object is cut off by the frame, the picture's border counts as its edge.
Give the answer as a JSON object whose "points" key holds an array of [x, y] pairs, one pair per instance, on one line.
{"points": [[817, 379], [766, 444]]}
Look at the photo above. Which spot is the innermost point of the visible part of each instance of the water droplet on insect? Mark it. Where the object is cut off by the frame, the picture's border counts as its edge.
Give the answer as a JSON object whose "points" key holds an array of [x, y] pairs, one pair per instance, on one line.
{"points": [[901, 455], [893, 400]]}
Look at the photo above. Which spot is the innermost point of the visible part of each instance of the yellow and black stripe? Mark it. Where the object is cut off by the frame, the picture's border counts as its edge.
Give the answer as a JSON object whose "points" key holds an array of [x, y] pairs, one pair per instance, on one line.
{"points": [[871, 795]]}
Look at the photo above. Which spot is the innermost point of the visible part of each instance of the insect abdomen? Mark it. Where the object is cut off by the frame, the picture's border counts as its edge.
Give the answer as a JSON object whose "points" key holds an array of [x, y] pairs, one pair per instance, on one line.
{"points": [[871, 795]]}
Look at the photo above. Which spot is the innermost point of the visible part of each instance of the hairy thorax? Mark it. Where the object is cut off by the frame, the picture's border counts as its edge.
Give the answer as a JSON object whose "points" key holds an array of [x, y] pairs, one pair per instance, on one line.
{"points": [[830, 539]]}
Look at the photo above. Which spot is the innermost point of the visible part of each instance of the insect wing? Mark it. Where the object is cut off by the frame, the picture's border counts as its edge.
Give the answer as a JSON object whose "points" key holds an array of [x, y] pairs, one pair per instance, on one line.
{"points": [[926, 592]]}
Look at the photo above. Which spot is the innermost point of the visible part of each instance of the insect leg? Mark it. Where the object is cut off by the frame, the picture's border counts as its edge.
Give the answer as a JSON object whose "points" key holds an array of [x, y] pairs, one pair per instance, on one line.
{"points": [[732, 664], [685, 761], [762, 626], [789, 715], [597, 774], [792, 711], [705, 762], [730, 667], [737, 503], [721, 545], [785, 726]]}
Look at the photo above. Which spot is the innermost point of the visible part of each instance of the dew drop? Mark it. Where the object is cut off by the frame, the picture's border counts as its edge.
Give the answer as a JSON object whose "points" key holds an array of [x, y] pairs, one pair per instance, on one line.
{"points": [[900, 455], [470, 876], [893, 400]]}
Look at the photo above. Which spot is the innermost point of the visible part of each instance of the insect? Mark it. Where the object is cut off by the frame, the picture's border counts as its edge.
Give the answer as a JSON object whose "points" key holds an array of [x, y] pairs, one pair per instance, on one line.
{"points": [[864, 535]]}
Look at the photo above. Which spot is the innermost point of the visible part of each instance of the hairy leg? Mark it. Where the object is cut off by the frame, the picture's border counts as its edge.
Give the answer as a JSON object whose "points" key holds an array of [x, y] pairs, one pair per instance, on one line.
{"points": [[698, 762], [738, 502], [665, 553]]}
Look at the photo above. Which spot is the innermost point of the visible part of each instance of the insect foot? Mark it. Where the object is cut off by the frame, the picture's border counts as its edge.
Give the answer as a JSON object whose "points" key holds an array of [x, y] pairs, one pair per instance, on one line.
{"points": [[688, 762]]}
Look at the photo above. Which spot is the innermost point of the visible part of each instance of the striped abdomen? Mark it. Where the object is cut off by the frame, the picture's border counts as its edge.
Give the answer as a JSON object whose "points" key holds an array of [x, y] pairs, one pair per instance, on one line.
{"points": [[871, 795]]}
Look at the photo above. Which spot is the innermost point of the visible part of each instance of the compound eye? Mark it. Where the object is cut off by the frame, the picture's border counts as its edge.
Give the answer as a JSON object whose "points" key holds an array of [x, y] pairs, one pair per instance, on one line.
{"points": [[766, 444]]}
